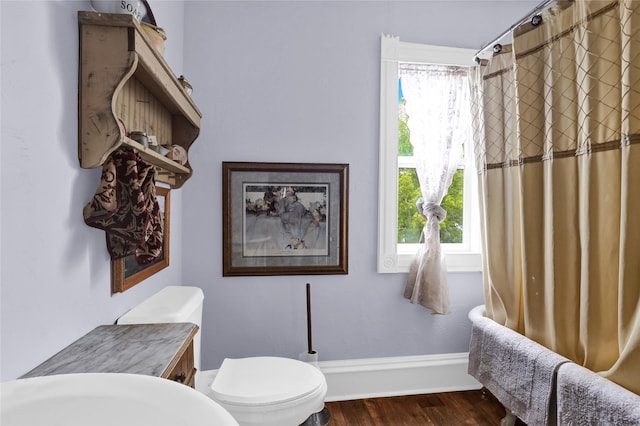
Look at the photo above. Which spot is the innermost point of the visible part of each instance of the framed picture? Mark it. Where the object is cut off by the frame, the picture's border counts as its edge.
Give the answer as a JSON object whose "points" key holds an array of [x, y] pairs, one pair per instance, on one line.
{"points": [[126, 271], [284, 218]]}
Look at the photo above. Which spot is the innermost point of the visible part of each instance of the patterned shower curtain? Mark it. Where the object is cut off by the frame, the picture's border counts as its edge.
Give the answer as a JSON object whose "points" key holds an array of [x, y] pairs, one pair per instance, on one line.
{"points": [[558, 150]]}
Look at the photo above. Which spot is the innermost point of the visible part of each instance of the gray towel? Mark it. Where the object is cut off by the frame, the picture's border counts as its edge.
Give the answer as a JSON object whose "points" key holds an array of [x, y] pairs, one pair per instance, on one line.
{"points": [[516, 370], [588, 399]]}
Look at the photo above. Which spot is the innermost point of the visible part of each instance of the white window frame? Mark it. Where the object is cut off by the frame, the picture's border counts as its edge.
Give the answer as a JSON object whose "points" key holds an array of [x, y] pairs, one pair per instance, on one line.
{"points": [[394, 257]]}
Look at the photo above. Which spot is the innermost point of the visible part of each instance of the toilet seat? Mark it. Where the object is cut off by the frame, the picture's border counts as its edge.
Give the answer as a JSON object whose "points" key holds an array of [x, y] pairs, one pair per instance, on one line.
{"points": [[264, 380], [288, 390]]}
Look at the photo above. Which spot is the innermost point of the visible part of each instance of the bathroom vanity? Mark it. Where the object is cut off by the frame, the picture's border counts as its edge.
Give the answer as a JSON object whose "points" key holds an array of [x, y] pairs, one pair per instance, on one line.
{"points": [[163, 350]]}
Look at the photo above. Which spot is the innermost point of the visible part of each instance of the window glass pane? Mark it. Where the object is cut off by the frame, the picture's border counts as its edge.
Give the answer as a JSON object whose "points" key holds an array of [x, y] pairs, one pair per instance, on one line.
{"points": [[411, 222], [404, 144], [451, 228]]}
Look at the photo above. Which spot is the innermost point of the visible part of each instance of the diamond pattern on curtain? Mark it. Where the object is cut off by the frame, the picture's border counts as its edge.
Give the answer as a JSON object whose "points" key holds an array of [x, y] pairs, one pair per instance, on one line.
{"points": [[558, 149]]}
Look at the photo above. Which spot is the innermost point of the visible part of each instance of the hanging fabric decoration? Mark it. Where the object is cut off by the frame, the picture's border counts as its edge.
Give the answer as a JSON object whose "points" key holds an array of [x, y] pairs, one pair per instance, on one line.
{"points": [[437, 99], [126, 207]]}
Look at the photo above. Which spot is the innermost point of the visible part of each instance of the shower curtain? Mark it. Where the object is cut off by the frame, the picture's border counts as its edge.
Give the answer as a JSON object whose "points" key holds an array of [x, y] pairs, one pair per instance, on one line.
{"points": [[557, 119]]}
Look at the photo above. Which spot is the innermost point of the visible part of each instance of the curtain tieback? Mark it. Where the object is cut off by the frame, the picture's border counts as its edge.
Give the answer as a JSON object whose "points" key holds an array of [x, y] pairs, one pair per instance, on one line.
{"points": [[434, 211]]}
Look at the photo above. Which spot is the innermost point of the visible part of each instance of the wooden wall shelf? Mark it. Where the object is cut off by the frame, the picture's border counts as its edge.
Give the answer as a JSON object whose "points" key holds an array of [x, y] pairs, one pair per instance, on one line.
{"points": [[126, 85]]}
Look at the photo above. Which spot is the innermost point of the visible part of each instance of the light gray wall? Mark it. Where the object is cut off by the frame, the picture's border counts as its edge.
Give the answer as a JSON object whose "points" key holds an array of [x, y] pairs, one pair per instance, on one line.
{"points": [[299, 82], [290, 81], [55, 277]]}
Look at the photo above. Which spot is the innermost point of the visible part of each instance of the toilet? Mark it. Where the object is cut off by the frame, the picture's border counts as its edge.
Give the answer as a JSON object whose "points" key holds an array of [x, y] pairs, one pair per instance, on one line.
{"points": [[261, 390]]}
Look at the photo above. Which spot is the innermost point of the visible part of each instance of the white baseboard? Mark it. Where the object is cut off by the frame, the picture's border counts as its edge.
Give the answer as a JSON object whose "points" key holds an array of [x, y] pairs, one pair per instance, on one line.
{"points": [[394, 376], [380, 377]]}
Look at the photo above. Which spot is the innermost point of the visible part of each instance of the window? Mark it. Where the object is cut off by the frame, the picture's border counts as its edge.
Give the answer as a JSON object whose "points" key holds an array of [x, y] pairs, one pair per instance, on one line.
{"points": [[397, 223]]}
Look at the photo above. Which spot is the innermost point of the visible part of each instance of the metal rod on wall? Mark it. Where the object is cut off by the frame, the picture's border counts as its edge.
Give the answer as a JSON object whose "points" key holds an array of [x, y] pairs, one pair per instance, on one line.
{"points": [[533, 13], [309, 344]]}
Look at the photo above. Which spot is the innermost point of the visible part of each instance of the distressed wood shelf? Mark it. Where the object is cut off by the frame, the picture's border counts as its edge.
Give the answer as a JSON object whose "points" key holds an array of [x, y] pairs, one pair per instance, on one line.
{"points": [[126, 85]]}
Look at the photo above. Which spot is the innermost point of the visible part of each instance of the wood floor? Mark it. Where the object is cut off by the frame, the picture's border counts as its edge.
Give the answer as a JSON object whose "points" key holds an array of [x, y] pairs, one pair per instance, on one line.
{"points": [[468, 408]]}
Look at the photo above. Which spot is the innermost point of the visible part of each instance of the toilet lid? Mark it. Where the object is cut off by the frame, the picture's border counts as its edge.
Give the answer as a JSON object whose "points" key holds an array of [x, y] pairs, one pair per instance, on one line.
{"points": [[264, 380]]}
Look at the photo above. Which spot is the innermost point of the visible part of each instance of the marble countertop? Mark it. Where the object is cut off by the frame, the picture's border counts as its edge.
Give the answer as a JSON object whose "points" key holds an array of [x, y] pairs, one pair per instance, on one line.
{"points": [[138, 349]]}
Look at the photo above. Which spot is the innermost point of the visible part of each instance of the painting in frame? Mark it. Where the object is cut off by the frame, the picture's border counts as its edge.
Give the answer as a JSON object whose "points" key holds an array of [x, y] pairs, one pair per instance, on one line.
{"points": [[126, 272], [284, 218]]}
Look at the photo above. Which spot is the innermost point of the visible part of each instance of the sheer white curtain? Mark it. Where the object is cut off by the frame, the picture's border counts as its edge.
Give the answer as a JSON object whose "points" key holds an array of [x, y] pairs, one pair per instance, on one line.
{"points": [[439, 121]]}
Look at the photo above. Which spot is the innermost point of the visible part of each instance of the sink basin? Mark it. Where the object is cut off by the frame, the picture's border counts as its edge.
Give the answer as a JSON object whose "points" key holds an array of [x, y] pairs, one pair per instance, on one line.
{"points": [[106, 399]]}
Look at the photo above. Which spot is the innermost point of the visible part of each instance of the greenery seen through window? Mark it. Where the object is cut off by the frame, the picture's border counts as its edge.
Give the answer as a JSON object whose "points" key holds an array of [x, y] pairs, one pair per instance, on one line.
{"points": [[410, 221]]}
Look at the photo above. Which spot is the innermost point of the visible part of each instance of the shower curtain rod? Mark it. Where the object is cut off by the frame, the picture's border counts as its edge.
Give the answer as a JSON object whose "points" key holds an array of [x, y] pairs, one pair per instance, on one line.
{"points": [[534, 12]]}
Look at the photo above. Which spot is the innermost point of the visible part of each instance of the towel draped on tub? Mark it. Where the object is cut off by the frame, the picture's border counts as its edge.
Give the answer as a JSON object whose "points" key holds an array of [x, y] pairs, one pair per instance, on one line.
{"points": [[519, 372], [587, 399]]}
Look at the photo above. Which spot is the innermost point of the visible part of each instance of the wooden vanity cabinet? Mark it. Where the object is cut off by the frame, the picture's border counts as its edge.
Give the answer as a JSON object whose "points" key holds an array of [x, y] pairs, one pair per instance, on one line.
{"points": [[126, 85], [183, 370]]}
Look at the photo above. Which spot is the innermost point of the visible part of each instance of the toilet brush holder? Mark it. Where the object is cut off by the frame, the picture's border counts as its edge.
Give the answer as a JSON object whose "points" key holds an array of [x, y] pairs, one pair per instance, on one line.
{"points": [[309, 357]]}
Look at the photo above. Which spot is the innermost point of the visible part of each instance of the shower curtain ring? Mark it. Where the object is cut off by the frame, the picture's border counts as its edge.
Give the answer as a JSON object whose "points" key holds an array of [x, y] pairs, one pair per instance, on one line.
{"points": [[536, 20], [497, 48]]}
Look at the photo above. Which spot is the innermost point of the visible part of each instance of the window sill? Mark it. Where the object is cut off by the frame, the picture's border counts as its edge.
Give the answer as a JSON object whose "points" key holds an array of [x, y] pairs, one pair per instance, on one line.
{"points": [[457, 261]]}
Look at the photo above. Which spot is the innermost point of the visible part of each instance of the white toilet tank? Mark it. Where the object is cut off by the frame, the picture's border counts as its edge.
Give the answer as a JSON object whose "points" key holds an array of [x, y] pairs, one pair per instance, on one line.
{"points": [[171, 304]]}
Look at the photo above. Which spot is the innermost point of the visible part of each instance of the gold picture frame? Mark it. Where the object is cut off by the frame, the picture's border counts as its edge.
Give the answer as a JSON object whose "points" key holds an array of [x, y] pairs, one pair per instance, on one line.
{"points": [[126, 272]]}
